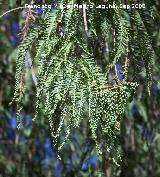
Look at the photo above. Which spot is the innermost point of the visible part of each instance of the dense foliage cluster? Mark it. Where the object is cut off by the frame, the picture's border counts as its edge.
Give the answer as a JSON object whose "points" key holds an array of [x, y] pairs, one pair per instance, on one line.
{"points": [[70, 79]]}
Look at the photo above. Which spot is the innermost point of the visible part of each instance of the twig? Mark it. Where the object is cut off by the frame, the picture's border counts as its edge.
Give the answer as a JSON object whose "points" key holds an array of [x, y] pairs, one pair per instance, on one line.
{"points": [[126, 64], [17, 8], [85, 18], [26, 23], [114, 43], [111, 87]]}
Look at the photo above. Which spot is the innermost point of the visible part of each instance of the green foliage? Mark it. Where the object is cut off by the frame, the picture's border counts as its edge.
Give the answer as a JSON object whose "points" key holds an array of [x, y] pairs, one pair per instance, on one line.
{"points": [[146, 52], [71, 81]]}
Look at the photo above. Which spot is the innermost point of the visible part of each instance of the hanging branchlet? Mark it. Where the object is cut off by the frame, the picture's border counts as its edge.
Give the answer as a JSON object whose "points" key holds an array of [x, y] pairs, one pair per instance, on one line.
{"points": [[143, 46]]}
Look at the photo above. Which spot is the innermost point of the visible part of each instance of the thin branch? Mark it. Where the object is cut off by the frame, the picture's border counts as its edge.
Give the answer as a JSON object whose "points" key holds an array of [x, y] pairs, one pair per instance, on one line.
{"points": [[85, 18], [25, 28], [126, 63], [17, 8]]}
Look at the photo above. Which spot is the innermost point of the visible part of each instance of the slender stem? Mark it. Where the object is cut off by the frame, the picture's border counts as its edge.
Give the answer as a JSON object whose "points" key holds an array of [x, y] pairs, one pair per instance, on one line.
{"points": [[85, 18], [17, 8]]}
